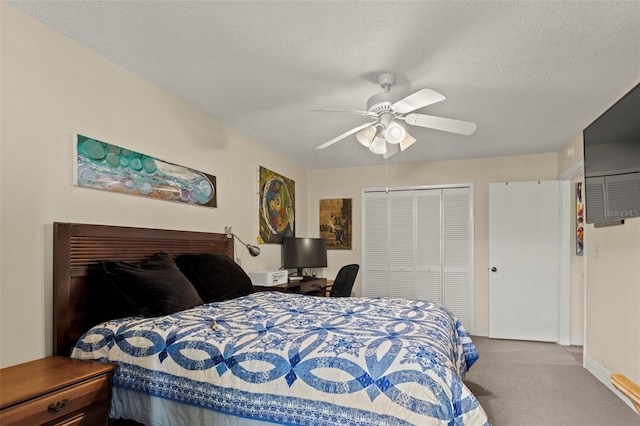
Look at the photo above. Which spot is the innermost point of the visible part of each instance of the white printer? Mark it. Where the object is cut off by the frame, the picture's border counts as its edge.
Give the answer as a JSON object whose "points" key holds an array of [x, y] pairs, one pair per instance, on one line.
{"points": [[268, 278]]}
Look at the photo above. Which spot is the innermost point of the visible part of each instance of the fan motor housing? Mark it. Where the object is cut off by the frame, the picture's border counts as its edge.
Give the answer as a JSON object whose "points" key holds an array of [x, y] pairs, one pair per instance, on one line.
{"points": [[379, 103]]}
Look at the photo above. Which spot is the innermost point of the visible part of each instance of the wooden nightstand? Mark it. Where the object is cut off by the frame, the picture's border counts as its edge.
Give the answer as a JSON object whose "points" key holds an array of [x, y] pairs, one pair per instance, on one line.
{"points": [[56, 391]]}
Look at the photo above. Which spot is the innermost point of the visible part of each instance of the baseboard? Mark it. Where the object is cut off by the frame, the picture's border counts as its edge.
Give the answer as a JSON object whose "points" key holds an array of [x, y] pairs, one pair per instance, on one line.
{"points": [[481, 331], [577, 340], [602, 374]]}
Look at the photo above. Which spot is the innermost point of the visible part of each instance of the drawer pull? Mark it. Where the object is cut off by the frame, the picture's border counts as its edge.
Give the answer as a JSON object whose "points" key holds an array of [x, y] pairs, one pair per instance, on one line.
{"points": [[54, 408]]}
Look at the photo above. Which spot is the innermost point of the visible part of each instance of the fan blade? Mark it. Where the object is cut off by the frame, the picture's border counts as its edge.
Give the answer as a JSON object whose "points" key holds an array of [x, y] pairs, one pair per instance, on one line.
{"points": [[344, 135], [350, 111], [420, 99], [441, 123]]}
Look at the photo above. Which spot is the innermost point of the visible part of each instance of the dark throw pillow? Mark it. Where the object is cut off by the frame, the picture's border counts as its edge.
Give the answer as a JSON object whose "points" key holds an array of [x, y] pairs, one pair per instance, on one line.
{"points": [[105, 302], [153, 287], [216, 277]]}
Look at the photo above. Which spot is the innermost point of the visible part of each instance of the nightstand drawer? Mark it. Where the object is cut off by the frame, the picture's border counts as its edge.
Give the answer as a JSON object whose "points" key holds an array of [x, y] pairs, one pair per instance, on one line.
{"points": [[58, 404], [96, 416]]}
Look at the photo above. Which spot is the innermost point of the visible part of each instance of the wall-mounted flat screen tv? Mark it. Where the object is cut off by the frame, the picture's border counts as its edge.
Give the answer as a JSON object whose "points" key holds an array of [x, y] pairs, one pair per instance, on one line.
{"points": [[612, 162]]}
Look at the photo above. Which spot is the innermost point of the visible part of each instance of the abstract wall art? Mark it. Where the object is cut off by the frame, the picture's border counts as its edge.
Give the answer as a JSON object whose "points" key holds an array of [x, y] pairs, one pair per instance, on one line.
{"points": [[335, 223], [277, 207], [101, 165], [579, 220]]}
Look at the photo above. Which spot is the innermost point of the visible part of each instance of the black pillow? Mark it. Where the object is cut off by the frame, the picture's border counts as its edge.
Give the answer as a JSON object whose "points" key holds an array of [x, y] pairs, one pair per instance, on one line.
{"points": [[105, 302], [153, 287], [216, 277]]}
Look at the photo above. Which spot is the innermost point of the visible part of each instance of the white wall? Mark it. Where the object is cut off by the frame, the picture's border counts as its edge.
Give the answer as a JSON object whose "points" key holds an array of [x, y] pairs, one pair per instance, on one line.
{"points": [[53, 88]]}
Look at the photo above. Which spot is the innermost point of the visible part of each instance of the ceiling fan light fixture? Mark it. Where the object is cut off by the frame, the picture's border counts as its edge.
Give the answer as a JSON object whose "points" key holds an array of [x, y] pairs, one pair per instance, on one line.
{"points": [[378, 146], [366, 136], [391, 150], [395, 133], [385, 135], [406, 142]]}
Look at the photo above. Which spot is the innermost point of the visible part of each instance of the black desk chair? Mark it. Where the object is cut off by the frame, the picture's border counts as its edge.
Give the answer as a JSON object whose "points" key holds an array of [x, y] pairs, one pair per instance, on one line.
{"points": [[343, 283]]}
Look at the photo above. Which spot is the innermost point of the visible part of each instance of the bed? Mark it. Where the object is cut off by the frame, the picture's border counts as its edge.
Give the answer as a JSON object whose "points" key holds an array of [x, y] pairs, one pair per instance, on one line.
{"points": [[262, 357]]}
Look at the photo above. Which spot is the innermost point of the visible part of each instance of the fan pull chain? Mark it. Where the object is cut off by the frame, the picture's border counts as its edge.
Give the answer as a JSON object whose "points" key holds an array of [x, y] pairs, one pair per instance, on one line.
{"points": [[386, 171]]}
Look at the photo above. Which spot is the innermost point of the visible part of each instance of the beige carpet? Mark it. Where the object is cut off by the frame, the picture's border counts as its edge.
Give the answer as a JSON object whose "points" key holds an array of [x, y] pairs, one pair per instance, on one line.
{"points": [[521, 383]]}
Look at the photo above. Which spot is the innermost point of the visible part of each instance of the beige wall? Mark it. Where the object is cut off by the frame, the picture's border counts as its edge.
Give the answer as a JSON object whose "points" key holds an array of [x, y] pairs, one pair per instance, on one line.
{"points": [[613, 295], [571, 167], [349, 182], [576, 269], [53, 88], [613, 298]]}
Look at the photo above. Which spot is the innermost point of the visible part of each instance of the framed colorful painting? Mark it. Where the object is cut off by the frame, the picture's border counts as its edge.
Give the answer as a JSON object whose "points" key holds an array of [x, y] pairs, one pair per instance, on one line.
{"points": [[335, 223], [277, 207], [579, 220], [101, 165]]}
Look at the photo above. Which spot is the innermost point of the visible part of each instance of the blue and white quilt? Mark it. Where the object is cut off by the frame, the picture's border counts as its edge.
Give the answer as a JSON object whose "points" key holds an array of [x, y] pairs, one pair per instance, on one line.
{"points": [[299, 360]]}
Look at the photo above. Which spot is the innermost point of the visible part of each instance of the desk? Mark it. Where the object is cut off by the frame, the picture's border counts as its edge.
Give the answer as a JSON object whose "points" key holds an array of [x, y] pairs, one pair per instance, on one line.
{"points": [[303, 287]]}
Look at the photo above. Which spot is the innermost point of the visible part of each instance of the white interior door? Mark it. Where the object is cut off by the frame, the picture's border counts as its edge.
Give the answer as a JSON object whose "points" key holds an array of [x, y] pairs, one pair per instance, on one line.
{"points": [[525, 260]]}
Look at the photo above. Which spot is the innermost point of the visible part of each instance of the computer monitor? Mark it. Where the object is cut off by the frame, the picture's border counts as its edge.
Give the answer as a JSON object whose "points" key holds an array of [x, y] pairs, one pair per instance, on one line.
{"points": [[304, 253]]}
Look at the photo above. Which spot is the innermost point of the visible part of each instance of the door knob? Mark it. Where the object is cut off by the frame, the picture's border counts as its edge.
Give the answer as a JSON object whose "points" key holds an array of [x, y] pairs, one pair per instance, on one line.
{"points": [[494, 269]]}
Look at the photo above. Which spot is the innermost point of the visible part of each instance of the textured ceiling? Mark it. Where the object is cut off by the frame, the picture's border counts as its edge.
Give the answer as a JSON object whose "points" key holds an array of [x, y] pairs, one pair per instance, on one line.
{"points": [[531, 74]]}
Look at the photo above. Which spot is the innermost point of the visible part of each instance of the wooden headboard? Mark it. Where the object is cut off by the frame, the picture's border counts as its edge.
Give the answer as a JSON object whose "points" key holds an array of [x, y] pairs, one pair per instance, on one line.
{"points": [[77, 249]]}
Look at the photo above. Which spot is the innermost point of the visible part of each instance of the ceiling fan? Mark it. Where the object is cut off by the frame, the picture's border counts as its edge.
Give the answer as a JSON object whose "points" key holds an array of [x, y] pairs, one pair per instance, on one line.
{"points": [[384, 134]]}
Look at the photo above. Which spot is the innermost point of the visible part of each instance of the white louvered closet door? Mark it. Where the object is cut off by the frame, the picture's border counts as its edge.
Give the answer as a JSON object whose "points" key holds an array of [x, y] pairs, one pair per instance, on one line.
{"points": [[418, 245], [457, 252], [401, 244], [375, 252], [429, 245]]}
